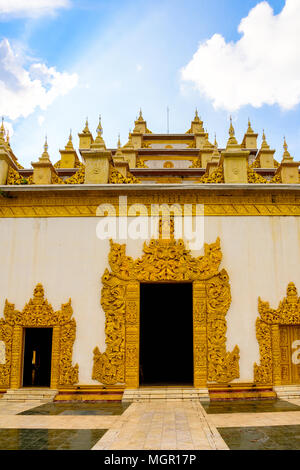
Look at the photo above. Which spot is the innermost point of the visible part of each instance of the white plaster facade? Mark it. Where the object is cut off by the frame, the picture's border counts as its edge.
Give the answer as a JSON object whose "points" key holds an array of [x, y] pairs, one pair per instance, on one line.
{"points": [[260, 254]]}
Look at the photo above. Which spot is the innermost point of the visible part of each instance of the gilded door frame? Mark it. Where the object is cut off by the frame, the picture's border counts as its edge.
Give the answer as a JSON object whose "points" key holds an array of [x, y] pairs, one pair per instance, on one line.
{"points": [[133, 335], [268, 372], [38, 313], [165, 261]]}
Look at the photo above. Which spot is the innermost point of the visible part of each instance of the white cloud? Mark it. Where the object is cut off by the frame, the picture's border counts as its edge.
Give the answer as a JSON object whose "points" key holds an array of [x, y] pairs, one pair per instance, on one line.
{"points": [[31, 7], [23, 89], [263, 67]]}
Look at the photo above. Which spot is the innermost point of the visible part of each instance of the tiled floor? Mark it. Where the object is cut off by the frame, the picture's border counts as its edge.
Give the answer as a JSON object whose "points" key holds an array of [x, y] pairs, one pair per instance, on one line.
{"points": [[170, 425]]}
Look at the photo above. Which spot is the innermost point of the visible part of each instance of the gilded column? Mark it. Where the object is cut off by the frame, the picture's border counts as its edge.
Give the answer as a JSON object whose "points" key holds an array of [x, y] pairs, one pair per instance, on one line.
{"points": [[276, 354], [16, 357], [132, 335], [200, 334], [55, 357]]}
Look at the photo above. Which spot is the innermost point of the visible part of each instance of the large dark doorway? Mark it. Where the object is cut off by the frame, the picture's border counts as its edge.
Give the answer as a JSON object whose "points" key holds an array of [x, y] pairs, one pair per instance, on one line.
{"points": [[166, 334], [37, 357]]}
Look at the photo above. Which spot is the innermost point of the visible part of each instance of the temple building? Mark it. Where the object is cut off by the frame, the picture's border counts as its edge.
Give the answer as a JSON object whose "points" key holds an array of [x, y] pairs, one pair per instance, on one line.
{"points": [[104, 292]]}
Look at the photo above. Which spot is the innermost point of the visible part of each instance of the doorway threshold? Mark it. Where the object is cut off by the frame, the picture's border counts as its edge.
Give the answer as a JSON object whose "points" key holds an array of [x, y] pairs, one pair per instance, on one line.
{"points": [[167, 393]]}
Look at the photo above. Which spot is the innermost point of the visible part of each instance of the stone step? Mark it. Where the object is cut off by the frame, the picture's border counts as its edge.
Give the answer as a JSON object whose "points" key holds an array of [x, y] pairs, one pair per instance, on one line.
{"points": [[29, 394], [287, 391], [165, 394]]}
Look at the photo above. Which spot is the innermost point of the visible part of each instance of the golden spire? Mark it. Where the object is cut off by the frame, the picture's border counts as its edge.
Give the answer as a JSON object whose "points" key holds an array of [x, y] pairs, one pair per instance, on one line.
{"points": [[45, 154], [86, 130], [99, 128], [232, 140], [129, 143], [264, 144], [196, 118], [119, 151], [216, 143], [216, 154], [249, 130], [286, 154], [69, 145], [2, 133], [99, 142], [8, 140], [141, 116], [207, 144]]}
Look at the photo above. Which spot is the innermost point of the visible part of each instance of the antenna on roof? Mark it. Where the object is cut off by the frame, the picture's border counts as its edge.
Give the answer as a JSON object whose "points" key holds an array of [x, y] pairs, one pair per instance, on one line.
{"points": [[168, 116]]}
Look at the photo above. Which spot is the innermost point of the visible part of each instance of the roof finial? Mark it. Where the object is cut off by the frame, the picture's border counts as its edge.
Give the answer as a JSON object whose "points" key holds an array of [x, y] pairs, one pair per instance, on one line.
{"points": [[264, 144], [69, 145], [196, 118], [249, 130], [86, 130], [119, 141], [99, 128], [45, 155], [2, 132], [231, 128], [286, 154], [232, 142]]}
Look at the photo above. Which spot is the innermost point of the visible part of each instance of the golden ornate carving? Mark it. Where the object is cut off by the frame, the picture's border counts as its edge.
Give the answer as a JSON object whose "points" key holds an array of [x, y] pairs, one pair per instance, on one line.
{"points": [[140, 163], [196, 163], [115, 177], [217, 176], [165, 260], [38, 313], [78, 177], [268, 335], [14, 177], [255, 178]]}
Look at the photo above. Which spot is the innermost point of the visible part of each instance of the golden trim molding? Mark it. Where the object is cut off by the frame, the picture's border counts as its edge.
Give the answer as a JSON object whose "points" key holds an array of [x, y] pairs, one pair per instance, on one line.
{"points": [[38, 313], [165, 261], [268, 335], [75, 204]]}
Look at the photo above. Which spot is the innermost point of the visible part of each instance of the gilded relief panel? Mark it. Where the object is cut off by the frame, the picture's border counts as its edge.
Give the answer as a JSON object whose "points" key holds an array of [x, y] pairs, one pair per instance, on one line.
{"points": [[165, 261], [278, 335], [38, 313]]}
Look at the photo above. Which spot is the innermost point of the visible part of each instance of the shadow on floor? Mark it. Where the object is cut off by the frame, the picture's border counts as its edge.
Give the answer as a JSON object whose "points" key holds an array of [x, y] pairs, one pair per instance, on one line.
{"points": [[262, 438], [49, 439], [79, 408], [250, 406]]}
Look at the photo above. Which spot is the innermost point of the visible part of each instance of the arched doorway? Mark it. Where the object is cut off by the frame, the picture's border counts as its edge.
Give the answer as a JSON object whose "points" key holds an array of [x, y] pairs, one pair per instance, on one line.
{"points": [[36, 316], [165, 261]]}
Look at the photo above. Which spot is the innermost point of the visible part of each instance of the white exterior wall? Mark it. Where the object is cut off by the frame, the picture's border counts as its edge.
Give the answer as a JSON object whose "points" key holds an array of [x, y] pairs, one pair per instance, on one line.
{"points": [[260, 254]]}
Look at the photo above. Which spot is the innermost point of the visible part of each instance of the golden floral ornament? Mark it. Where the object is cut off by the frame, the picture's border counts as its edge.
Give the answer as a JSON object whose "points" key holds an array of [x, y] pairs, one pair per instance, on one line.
{"points": [[165, 260], [38, 313], [268, 334]]}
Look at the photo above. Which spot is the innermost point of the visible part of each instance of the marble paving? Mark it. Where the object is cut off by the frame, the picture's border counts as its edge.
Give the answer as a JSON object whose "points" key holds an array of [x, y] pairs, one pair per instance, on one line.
{"points": [[159, 425]]}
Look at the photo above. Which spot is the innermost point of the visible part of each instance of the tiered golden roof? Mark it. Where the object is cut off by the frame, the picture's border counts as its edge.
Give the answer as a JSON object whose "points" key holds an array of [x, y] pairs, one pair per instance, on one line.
{"points": [[157, 158]]}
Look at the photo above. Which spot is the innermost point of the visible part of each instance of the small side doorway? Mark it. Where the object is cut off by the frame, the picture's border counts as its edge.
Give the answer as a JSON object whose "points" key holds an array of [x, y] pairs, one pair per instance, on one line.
{"points": [[37, 357]]}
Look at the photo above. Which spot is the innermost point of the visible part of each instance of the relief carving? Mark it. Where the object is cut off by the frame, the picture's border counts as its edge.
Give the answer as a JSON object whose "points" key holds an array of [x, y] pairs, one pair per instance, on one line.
{"points": [[38, 313], [165, 260], [268, 335]]}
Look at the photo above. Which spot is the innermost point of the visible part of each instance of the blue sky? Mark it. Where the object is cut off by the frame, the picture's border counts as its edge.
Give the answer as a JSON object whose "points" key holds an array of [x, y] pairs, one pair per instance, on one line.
{"points": [[123, 55]]}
